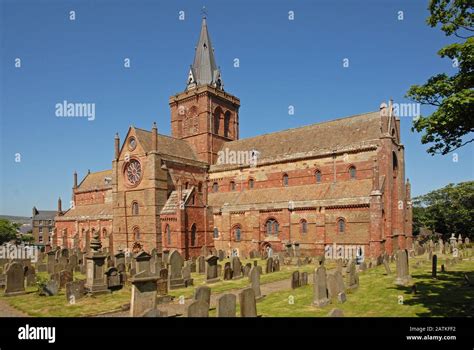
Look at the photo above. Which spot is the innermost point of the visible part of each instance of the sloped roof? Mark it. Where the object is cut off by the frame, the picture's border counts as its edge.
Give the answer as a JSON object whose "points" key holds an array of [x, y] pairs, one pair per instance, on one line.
{"points": [[89, 211], [96, 181], [172, 203], [339, 193], [339, 134], [167, 145], [44, 215]]}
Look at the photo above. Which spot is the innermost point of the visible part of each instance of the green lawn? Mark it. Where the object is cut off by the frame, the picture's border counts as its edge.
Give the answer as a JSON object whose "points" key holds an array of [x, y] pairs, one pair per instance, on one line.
{"points": [[378, 296]]}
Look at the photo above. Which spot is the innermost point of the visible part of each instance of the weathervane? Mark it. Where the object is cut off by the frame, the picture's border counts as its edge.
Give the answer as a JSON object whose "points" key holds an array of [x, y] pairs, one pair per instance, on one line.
{"points": [[204, 12]]}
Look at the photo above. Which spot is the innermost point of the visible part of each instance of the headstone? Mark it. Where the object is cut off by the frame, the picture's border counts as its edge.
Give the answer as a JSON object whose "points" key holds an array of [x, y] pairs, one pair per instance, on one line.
{"points": [[75, 290], [198, 308], [30, 276], [201, 264], [303, 279], [320, 294], [341, 297], [352, 279], [403, 276], [295, 279], [51, 261], [434, 266], [119, 258], [236, 268], [141, 262], [144, 289], [332, 285], [176, 262], [247, 268], [276, 265], [387, 267], [255, 282], [269, 266], [221, 255], [51, 288], [211, 270], [362, 266], [227, 271], [15, 279], [114, 280], [186, 272], [162, 283], [203, 293], [336, 313], [65, 276], [248, 304], [226, 305]]}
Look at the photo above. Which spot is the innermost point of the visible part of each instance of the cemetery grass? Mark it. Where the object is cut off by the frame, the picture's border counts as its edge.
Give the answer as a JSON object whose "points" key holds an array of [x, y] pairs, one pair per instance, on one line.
{"points": [[378, 296]]}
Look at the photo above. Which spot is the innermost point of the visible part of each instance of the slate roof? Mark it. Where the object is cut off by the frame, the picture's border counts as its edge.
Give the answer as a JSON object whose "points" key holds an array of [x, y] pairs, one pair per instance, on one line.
{"points": [[340, 134], [89, 211], [96, 181], [44, 215], [172, 203], [324, 194]]}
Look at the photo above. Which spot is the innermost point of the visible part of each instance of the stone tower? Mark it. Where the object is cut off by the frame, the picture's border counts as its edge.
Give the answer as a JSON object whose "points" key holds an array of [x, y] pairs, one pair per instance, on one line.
{"points": [[204, 114]]}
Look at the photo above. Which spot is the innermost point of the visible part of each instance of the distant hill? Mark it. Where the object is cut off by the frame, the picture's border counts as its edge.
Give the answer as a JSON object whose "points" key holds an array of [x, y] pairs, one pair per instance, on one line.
{"points": [[18, 219]]}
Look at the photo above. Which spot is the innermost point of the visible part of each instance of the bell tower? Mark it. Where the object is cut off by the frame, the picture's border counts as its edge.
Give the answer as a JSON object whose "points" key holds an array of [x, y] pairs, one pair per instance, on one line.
{"points": [[204, 114]]}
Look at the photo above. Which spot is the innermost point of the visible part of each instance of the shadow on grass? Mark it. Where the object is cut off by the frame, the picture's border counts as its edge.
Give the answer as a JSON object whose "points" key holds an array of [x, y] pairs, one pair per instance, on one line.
{"points": [[447, 296]]}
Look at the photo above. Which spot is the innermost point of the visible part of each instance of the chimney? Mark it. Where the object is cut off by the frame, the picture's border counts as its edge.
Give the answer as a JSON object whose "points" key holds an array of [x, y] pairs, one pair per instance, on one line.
{"points": [[154, 138], [117, 145], [60, 206], [75, 179]]}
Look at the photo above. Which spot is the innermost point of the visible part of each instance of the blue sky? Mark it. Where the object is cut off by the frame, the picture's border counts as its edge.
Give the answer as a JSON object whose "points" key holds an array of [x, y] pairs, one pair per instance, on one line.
{"points": [[282, 63]]}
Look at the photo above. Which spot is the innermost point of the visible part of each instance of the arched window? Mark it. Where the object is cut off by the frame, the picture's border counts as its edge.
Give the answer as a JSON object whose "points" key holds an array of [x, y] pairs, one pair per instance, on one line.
{"points": [[216, 232], [285, 180], [352, 172], [193, 235], [304, 226], [251, 183], [135, 208], [341, 225], [237, 233], [217, 120], [136, 234], [104, 233], [271, 227], [215, 187], [318, 176], [186, 185], [168, 234], [226, 123], [394, 164], [200, 187], [232, 186]]}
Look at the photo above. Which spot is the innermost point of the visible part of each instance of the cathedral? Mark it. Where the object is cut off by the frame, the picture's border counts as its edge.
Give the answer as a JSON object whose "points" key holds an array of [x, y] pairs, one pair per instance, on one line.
{"points": [[317, 189]]}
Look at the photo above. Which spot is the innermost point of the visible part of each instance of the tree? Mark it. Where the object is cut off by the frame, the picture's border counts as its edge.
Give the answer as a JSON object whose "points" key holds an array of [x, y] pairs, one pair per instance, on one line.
{"points": [[8, 230], [451, 125], [447, 210]]}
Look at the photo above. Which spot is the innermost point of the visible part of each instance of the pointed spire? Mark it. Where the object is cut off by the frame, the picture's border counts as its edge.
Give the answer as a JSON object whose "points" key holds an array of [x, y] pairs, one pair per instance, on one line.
{"points": [[204, 69]]}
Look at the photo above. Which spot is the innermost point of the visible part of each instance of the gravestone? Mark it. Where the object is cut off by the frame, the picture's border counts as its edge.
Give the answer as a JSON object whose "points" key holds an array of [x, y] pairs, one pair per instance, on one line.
{"points": [[51, 261], [269, 265], [175, 262], [211, 270], [403, 276], [221, 255], [162, 283], [65, 276], [198, 308], [341, 297], [362, 266], [332, 285], [236, 268], [226, 305], [255, 282], [276, 265], [96, 282], [387, 267], [336, 313], [303, 279], [51, 288], [248, 304], [30, 276], [352, 278], [114, 279], [203, 293], [119, 258], [227, 271], [320, 295], [434, 266], [15, 279], [75, 290], [201, 264], [141, 262], [143, 293], [186, 272], [341, 287], [295, 279], [73, 260], [247, 268]]}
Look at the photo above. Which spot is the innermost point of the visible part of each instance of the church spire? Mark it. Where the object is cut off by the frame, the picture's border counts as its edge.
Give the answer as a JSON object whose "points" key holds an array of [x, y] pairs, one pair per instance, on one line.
{"points": [[204, 70]]}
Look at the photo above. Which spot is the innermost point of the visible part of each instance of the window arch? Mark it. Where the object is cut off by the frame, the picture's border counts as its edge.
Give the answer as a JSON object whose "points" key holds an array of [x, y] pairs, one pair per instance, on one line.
{"points": [[232, 186], [318, 176], [352, 172], [251, 183], [168, 234], [216, 232], [237, 233], [271, 227], [226, 123], [303, 226], [215, 187], [394, 164], [217, 119], [193, 235], [104, 233], [136, 233], [341, 225], [135, 208], [285, 179]]}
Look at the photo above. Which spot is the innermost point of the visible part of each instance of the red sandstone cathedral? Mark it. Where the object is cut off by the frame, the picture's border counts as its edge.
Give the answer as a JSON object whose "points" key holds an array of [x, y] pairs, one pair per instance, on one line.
{"points": [[310, 189]]}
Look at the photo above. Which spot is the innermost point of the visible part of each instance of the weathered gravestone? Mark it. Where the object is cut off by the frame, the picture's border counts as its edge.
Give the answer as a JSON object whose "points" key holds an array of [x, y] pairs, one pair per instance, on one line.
{"points": [[203, 293], [236, 268], [198, 308], [403, 276], [276, 265], [269, 265], [226, 305], [175, 262], [65, 276], [320, 294], [95, 264], [221, 254], [248, 304], [295, 279], [332, 285], [75, 290], [114, 279], [143, 293], [387, 267], [186, 272], [227, 271], [352, 278], [303, 279], [211, 270], [201, 264], [30, 276], [15, 279], [336, 313], [51, 288], [255, 282], [247, 268]]}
